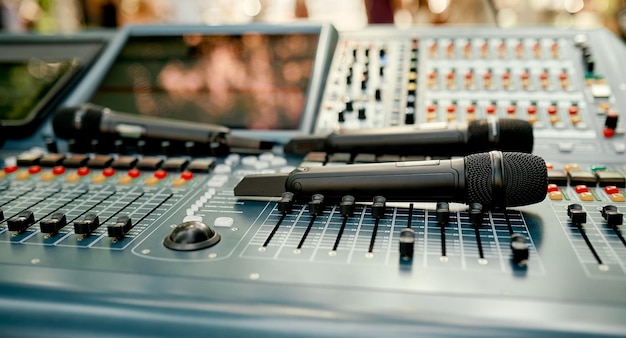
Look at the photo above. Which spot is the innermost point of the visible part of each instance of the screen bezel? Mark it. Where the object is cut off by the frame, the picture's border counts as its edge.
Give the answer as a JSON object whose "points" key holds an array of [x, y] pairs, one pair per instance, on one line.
{"points": [[80, 49], [327, 41]]}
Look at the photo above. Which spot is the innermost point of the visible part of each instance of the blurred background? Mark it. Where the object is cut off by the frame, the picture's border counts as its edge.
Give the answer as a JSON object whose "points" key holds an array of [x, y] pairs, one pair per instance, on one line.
{"points": [[63, 16]]}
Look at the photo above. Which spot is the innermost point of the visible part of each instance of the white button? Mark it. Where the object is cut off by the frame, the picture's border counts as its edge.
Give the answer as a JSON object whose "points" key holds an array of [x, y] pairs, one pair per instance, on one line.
{"points": [[261, 165], [566, 146], [223, 222], [192, 218], [249, 160], [232, 159], [222, 169], [619, 147], [266, 157], [278, 161]]}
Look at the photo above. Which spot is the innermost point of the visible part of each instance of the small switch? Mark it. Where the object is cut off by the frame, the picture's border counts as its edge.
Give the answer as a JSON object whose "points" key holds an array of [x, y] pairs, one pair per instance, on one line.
{"points": [[519, 247], [55, 223], [442, 212], [576, 214], [316, 205], [346, 206], [286, 203], [122, 225], [87, 225], [407, 244], [21, 222], [379, 207]]}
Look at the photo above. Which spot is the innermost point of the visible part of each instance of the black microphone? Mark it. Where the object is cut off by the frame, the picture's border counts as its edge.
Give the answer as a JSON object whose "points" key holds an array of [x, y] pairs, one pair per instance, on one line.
{"points": [[429, 139], [91, 121], [494, 179]]}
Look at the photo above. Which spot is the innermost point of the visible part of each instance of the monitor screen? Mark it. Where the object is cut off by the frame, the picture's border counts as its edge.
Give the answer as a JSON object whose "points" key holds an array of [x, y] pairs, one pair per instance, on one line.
{"points": [[255, 81], [25, 84]]}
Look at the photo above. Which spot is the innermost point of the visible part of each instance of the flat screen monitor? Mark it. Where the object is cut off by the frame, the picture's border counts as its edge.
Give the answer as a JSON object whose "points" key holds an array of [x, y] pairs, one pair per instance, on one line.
{"points": [[252, 78]]}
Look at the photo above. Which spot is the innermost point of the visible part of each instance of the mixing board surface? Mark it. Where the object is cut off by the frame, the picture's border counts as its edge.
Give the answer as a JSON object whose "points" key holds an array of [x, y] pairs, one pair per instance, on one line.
{"points": [[90, 242]]}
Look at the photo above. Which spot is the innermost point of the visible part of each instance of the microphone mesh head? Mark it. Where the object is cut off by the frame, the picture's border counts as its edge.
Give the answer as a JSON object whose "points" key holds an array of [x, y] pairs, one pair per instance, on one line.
{"points": [[64, 125], [525, 179], [514, 135]]}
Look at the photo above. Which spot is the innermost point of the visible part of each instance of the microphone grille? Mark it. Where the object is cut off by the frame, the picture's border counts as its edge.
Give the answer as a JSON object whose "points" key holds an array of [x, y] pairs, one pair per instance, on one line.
{"points": [[514, 135], [64, 125], [525, 179]]}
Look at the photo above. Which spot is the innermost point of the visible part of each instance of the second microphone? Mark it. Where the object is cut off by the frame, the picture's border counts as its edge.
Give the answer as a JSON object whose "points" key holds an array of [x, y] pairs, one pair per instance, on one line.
{"points": [[430, 139]]}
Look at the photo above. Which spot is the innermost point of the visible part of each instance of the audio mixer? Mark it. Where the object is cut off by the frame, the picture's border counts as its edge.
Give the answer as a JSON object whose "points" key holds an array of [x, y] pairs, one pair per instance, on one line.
{"points": [[100, 236]]}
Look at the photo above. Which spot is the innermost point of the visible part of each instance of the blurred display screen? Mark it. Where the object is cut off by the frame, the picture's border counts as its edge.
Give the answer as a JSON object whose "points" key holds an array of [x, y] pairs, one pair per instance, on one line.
{"points": [[25, 85], [247, 81]]}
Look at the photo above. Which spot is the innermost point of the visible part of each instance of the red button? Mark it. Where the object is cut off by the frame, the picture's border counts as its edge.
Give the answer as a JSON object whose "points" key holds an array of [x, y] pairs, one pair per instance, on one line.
{"points": [[186, 175], [34, 169], [491, 109], [524, 76], [573, 110], [532, 110], [451, 108], [607, 132], [553, 187], [611, 189], [10, 169], [581, 188], [108, 172], [549, 166], [552, 110], [563, 76], [160, 174], [471, 109], [543, 76], [134, 173], [431, 108], [82, 171], [511, 109], [58, 170]]}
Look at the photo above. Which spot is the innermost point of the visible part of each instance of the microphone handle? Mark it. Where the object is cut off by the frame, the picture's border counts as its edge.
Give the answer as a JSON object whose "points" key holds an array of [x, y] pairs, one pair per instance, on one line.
{"points": [[441, 139], [418, 181], [130, 126]]}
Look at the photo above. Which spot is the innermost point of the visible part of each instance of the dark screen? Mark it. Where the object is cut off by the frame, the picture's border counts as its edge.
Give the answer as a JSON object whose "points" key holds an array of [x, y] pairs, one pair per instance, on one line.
{"points": [[24, 84], [248, 81]]}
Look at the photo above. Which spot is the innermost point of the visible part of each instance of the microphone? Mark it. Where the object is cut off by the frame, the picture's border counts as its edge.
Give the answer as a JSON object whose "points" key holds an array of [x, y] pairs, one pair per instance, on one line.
{"points": [[494, 179], [429, 139], [94, 121]]}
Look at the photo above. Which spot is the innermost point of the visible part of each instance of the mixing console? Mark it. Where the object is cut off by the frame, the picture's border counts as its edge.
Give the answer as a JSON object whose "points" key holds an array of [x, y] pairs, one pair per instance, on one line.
{"points": [[157, 244]]}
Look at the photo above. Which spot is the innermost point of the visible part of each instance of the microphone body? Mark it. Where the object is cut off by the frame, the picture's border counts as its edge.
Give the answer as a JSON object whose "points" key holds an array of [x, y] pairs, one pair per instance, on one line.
{"points": [[91, 121], [430, 139], [494, 179]]}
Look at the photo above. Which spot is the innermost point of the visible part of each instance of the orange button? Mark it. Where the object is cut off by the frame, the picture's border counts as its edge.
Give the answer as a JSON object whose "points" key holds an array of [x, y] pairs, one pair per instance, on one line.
{"points": [[555, 196], [586, 196]]}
